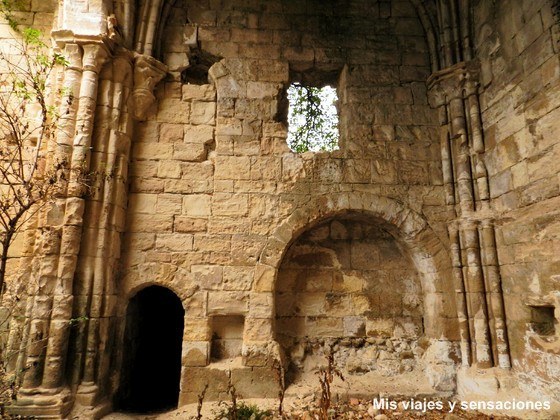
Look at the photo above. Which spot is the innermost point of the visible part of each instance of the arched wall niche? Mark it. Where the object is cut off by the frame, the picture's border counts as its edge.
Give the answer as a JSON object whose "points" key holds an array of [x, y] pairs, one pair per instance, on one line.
{"points": [[349, 280], [425, 249], [427, 252], [427, 258]]}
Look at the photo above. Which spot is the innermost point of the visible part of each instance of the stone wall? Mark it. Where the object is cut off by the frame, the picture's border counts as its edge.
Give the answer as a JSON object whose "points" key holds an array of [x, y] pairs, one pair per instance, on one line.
{"points": [[39, 15], [442, 195], [518, 51], [348, 280], [212, 177]]}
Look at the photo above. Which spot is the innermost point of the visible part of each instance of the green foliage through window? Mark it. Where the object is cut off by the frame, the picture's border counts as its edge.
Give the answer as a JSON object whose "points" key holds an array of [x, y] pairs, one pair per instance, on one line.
{"points": [[312, 118]]}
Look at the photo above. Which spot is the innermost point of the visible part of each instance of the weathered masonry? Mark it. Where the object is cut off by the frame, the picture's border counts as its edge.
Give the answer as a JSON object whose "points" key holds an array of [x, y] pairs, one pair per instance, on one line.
{"points": [[428, 244]]}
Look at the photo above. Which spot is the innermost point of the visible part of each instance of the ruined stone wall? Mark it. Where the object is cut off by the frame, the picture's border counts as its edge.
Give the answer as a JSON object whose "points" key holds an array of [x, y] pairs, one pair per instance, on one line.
{"points": [[212, 178], [347, 281], [222, 213], [211, 175], [517, 44]]}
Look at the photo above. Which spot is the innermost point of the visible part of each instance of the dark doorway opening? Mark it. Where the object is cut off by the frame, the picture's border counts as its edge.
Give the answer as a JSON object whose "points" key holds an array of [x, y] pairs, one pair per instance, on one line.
{"points": [[153, 338]]}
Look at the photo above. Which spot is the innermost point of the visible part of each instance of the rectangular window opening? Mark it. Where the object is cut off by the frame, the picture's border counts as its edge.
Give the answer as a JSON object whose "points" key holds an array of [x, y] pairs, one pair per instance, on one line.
{"points": [[312, 118]]}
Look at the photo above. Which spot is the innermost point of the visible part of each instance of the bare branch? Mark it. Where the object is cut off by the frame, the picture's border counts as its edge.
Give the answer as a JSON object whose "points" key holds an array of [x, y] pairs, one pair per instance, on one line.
{"points": [[27, 180]]}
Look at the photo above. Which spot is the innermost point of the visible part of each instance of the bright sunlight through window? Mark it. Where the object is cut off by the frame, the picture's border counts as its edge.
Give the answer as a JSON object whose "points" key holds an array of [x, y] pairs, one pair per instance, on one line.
{"points": [[312, 118]]}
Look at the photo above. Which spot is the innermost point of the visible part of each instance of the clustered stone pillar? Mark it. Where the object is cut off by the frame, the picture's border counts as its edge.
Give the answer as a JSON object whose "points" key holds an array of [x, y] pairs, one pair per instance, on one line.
{"points": [[94, 56], [44, 346], [454, 91], [78, 244], [78, 250], [95, 288]]}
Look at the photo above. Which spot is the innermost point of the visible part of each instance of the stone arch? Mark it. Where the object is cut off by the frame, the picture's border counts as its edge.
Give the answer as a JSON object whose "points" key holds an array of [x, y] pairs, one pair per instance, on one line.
{"points": [[429, 256], [179, 280], [448, 29], [349, 279], [180, 293], [142, 23], [427, 21]]}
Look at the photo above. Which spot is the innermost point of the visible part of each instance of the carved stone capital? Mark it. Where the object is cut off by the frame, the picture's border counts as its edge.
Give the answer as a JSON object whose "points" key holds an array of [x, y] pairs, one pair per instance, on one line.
{"points": [[95, 55], [148, 72], [456, 82], [83, 52], [113, 31], [73, 54]]}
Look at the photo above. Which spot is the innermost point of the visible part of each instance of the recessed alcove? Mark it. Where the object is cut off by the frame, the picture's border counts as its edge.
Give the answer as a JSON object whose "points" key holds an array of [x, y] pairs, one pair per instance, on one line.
{"points": [[349, 280], [543, 321], [227, 337]]}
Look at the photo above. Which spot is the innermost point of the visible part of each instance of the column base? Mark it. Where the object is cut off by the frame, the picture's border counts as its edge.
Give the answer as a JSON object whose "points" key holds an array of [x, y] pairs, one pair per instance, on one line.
{"points": [[473, 381], [42, 404], [91, 412], [87, 394]]}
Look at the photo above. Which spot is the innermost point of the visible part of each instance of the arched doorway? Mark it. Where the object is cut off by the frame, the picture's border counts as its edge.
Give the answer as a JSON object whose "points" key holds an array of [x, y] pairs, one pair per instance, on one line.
{"points": [[151, 367]]}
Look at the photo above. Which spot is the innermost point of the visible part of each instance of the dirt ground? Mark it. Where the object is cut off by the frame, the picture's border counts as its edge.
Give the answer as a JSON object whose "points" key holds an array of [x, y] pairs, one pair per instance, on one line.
{"points": [[350, 401], [306, 409]]}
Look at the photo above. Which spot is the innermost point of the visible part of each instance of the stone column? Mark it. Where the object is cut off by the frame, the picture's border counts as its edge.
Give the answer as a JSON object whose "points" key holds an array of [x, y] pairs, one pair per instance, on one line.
{"points": [[454, 91], [460, 296], [45, 267], [96, 284], [94, 56], [50, 312], [78, 245], [489, 254], [469, 234], [439, 99], [476, 292], [17, 326], [495, 294]]}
